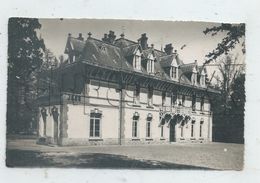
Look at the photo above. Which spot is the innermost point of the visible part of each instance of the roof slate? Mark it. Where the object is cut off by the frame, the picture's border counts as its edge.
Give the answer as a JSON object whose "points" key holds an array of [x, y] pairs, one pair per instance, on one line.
{"points": [[116, 55]]}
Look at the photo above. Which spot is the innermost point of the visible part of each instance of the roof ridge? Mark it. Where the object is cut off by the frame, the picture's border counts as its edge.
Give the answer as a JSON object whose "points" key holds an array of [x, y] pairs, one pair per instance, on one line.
{"points": [[110, 44], [126, 40], [136, 44]]}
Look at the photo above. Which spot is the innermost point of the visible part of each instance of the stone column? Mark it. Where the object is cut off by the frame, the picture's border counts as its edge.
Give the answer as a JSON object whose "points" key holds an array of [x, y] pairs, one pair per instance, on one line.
{"points": [[63, 120]]}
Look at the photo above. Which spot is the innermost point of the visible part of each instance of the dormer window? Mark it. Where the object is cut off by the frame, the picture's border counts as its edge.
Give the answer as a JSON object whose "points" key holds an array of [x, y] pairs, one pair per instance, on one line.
{"points": [[150, 64], [173, 72], [202, 78], [137, 61], [194, 76]]}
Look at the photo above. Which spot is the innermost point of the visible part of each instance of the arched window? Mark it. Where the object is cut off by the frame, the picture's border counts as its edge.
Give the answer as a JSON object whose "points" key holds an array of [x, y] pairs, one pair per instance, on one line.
{"points": [[135, 125], [193, 102], [162, 135], [95, 123], [163, 98], [202, 104], [150, 64], [148, 125], [192, 128], [174, 72], [150, 97], [194, 76], [137, 61], [137, 95], [202, 78], [201, 126]]}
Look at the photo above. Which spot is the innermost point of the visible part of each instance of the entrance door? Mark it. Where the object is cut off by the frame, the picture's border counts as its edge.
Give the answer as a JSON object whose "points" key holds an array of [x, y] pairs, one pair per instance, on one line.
{"points": [[172, 132]]}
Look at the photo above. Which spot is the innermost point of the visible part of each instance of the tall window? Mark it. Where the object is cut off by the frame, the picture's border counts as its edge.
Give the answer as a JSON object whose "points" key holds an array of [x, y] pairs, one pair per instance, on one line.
{"points": [[202, 80], [137, 94], [95, 122], [192, 128], [150, 97], [137, 61], [148, 125], [202, 104], [150, 64], [162, 132], [182, 125], [194, 78], [183, 100], [163, 98], [201, 125], [173, 99], [135, 125], [173, 72], [193, 103]]}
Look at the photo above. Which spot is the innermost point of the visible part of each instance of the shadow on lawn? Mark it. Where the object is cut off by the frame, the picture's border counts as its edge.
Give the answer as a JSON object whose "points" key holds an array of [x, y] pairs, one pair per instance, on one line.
{"points": [[19, 158]]}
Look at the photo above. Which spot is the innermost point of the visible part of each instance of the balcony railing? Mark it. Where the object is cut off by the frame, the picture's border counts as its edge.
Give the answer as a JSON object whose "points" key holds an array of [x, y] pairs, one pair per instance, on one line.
{"points": [[183, 110]]}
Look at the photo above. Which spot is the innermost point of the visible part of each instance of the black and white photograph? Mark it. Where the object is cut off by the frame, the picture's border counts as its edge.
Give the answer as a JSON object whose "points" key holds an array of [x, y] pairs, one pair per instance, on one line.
{"points": [[125, 94]]}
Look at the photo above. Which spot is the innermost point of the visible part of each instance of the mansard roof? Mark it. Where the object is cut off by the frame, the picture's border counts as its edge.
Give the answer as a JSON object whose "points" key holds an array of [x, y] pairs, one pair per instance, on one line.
{"points": [[116, 55]]}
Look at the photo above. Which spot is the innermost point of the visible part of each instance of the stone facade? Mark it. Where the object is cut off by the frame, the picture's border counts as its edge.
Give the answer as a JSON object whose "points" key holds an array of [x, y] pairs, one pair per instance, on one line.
{"points": [[115, 106]]}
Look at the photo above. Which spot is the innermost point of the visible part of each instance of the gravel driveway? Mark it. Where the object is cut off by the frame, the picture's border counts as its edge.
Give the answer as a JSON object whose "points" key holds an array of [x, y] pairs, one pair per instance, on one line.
{"points": [[221, 156]]}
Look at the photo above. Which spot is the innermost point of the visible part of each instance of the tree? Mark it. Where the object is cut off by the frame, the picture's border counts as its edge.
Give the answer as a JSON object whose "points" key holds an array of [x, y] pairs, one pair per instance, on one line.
{"points": [[234, 35], [25, 52], [228, 120]]}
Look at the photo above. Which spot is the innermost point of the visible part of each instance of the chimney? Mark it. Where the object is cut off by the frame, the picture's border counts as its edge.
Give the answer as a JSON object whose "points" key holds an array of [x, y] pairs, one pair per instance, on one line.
{"points": [[105, 38], [89, 35], [111, 37], [168, 49], [122, 35], [152, 46], [80, 37], [143, 41]]}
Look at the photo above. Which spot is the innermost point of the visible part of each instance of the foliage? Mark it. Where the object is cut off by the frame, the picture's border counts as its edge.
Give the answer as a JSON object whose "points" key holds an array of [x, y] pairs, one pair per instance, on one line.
{"points": [[25, 57], [228, 109], [25, 49], [234, 33]]}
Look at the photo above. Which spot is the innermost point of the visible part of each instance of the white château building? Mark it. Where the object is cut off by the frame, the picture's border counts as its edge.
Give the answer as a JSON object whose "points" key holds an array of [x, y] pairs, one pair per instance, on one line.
{"points": [[118, 91]]}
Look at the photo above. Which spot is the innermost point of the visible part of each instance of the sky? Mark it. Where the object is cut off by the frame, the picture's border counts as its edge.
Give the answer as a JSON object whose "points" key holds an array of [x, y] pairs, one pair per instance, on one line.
{"points": [[179, 33]]}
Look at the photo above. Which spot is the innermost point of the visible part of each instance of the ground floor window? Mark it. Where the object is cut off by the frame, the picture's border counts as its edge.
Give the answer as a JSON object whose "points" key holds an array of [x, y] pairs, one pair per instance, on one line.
{"points": [[135, 125], [95, 123], [162, 131], [181, 131], [201, 125], [192, 128], [148, 125]]}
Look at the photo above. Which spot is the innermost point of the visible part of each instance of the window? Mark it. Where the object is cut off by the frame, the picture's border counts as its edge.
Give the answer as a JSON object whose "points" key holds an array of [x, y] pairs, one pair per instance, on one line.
{"points": [[183, 100], [137, 61], [148, 125], [192, 128], [193, 103], [202, 80], [173, 72], [201, 125], [173, 99], [135, 125], [150, 97], [162, 131], [194, 78], [95, 118], [163, 98], [181, 130], [137, 95], [150, 64], [202, 104]]}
